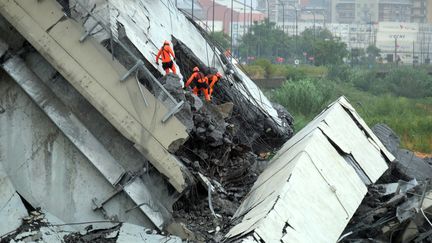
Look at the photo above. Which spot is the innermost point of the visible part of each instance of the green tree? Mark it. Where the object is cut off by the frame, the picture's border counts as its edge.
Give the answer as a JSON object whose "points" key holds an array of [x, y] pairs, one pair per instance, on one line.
{"points": [[329, 52], [266, 40], [372, 50], [221, 38], [322, 46]]}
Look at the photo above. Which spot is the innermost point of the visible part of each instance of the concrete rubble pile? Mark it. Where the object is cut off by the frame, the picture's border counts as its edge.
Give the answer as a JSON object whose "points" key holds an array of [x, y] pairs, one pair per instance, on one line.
{"points": [[43, 227], [398, 208], [221, 158]]}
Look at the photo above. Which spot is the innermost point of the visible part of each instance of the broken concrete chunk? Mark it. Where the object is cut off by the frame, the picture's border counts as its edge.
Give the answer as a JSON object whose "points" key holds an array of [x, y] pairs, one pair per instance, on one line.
{"points": [[215, 138], [180, 229], [311, 171], [12, 209], [200, 130], [387, 136], [134, 233], [412, 166], [283, 114], [407, 162], [195, 101], [226, 109], [401, 187]]}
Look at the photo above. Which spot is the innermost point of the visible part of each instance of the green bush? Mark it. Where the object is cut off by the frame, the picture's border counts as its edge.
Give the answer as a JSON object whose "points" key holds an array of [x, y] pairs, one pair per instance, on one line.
{"points": [[364, 79], [339, 73], [307, 96], [404, 81], [409, 82], [255, 71], [265, 64], [313, 71], [277, 70], [295, 73]]}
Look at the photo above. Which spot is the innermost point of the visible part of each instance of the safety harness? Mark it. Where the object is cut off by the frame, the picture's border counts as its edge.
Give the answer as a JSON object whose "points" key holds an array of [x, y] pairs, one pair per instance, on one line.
{"points": [[200, 81]]}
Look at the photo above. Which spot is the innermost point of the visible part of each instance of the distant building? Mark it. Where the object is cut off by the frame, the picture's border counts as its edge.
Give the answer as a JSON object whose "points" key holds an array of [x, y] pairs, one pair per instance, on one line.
{"points": [[302, 10], [429, 11], [290, 6], [354, 35], [395, 10], [354, 11], [419, 11], [243, 17], [318, 10], [277, 7], [365, 11], [343, 11], [190, 6]]}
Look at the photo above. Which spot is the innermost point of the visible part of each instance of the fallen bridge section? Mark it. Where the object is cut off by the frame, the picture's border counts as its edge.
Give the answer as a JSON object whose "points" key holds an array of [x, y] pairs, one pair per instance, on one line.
{"points": [[131, 108], [84, 140], [320, 175]]}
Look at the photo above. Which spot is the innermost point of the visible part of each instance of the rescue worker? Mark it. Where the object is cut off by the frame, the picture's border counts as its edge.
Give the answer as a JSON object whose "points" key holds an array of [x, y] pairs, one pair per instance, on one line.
{"points": [[166, 52], [213, 79], [200, 82]]}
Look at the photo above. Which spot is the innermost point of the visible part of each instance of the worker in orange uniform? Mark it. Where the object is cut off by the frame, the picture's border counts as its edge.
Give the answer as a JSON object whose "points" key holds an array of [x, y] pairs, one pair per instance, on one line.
{"points": [[213, 79], [200, 82], [166, 52]]}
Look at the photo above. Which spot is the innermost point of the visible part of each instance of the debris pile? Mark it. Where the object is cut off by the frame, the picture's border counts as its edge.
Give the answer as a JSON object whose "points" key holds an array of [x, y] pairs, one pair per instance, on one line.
{"points": [[225, 165], [44, 227], [393, 212], [39, 227], [398, 207], [29, 229], [120, 233]]}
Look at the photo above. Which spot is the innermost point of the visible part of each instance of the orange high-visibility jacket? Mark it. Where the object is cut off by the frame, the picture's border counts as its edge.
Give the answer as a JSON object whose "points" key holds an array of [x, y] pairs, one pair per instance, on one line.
{"points": [[198, 76], [213, 79], [166, 52]]}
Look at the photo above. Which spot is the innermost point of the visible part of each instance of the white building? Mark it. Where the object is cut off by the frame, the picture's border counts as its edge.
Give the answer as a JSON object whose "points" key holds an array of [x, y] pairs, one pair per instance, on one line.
{"points": [[411, 42], [354, 35]]}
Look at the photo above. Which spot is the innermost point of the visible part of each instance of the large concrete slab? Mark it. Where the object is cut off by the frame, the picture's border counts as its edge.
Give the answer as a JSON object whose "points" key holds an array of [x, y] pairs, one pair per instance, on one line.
{"points": [[82, 138], [90, 69], [48, 170], [320, 175], [12, 209]]}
